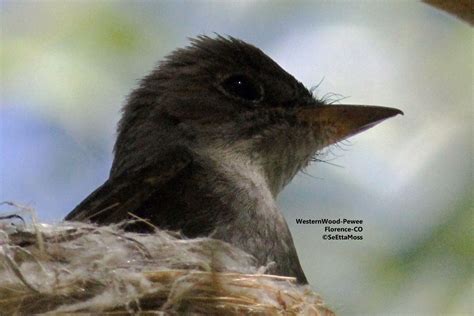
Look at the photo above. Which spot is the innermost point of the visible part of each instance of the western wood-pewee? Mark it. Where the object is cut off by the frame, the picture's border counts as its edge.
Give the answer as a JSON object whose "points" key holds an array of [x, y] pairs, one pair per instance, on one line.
{"points": [[209, 139]]}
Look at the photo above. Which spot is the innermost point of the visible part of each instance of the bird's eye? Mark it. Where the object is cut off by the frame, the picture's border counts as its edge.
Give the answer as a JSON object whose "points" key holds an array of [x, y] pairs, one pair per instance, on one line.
{"points": [[242, 87]]}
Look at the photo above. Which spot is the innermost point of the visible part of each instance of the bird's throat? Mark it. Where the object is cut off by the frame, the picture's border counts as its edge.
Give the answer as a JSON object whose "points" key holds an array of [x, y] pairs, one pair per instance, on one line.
{"points": [[255, 224]]}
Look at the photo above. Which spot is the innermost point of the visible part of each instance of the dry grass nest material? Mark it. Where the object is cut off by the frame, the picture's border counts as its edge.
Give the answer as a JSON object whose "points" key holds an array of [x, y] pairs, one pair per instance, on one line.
{"points": [[71, 267]]}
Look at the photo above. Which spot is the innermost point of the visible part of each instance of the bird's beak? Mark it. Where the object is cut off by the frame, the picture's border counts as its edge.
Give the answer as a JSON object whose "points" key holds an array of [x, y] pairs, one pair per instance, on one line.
{"points": [[333, 123]]}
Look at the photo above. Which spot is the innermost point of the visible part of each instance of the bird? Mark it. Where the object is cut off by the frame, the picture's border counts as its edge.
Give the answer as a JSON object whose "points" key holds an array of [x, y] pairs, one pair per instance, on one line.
{"points": [[208, 140]]}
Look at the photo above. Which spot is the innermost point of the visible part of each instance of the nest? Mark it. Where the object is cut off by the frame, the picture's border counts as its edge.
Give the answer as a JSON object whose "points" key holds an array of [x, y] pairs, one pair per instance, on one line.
{"points": [[71, 267]]}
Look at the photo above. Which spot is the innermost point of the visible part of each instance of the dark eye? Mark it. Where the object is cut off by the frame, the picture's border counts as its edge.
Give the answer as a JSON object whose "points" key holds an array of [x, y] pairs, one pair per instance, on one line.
{"points": [[242, 87]]}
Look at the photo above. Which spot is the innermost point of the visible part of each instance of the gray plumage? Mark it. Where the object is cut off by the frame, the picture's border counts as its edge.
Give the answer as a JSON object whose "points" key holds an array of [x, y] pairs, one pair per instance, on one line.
{"points": [[209, 139]]}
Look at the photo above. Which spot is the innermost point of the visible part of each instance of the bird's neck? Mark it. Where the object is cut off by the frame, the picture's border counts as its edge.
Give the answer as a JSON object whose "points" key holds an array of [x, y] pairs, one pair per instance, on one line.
{"points": [[250, 171], [257, 226]]}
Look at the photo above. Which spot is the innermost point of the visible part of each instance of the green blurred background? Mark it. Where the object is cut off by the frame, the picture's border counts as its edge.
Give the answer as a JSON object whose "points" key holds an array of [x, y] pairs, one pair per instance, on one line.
{"points": [[67, 67]]}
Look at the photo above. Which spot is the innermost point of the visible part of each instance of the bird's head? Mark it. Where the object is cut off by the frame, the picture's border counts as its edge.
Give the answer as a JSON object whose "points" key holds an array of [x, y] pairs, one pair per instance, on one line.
{"points": [[222, 95]]}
